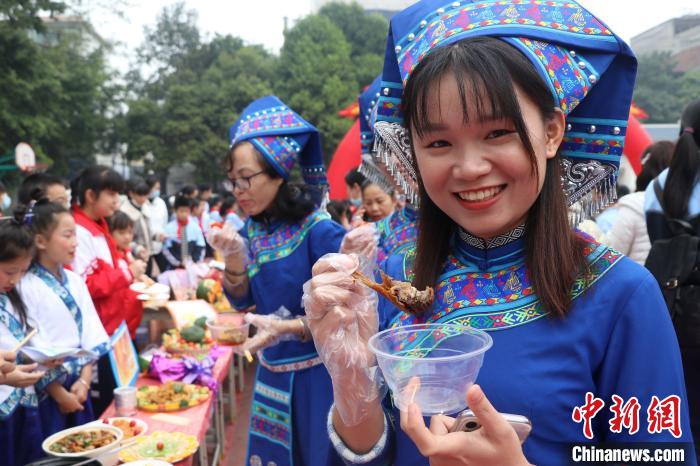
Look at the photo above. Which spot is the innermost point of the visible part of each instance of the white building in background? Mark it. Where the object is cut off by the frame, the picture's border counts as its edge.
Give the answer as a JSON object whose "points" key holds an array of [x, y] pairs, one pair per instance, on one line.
{"points": [[386, 8], [679, 36], [58, 27]]}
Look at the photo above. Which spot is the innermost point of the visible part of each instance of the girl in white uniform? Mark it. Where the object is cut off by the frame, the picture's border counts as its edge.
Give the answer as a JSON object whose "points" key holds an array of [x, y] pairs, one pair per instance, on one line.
{"points": [[65, 316], [20, 426]]}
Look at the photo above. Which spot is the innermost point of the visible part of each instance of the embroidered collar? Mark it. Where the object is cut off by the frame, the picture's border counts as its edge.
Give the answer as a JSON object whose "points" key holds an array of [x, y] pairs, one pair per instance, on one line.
{"points": [[488, 253]]}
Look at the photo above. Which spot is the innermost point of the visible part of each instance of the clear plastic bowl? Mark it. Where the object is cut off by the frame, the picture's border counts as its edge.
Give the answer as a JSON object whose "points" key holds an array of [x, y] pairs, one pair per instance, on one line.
{"points": [[229, 328], [445, 357]]}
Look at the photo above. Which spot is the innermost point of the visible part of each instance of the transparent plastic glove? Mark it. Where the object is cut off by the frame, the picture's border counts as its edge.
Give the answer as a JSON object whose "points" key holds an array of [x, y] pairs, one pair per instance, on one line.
{"points": [[362, 241], [342, 316], [272, 329], [227, 241]]}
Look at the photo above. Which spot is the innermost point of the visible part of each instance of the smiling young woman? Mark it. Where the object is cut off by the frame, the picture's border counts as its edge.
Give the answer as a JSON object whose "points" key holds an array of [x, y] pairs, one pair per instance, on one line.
{"points": [[486, 159], [496, 115]]}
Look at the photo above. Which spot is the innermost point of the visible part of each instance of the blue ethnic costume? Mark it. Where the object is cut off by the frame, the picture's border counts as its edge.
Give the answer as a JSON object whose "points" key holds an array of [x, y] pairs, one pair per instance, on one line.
{"points": [[20, 424], [540, 366], [66, 318], [398, 230], [292, 392]]}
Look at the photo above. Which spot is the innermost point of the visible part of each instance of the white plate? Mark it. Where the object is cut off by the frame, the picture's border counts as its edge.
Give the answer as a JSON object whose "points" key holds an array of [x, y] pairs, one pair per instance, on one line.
{"points": [[153, 297], [138, 287], [89, 454]]}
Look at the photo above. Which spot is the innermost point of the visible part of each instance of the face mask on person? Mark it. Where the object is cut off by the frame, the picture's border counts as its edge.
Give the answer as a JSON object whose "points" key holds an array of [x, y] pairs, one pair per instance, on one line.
{"points": [[154, 195], [6, 201], [356, 202]]}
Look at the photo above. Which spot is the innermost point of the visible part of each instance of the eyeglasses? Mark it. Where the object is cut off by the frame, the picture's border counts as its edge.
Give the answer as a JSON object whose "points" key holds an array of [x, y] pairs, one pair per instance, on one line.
{"points": [[242, 183]]}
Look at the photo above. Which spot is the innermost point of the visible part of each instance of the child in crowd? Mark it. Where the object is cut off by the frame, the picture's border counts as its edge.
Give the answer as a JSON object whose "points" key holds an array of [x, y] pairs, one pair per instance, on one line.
{"points": [[65, 316], [229, 213], [41, 185], [121, 226], [200, 214], [95, 197], [184, 239], [214, 206], [377, 202], [20, 426]]}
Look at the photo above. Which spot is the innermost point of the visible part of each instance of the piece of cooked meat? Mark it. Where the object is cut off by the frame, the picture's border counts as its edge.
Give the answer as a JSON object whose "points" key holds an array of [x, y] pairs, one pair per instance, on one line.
{"points": [[402, 294]]}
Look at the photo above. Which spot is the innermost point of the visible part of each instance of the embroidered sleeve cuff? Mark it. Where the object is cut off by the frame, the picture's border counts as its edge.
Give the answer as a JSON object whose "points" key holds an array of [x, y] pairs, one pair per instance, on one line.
{"points": [[379, 455]]}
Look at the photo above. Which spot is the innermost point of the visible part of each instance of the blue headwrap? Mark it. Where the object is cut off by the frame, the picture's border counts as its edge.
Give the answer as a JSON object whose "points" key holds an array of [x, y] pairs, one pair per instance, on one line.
{"points": [[372, 168], [588, 69], [282, 137]]}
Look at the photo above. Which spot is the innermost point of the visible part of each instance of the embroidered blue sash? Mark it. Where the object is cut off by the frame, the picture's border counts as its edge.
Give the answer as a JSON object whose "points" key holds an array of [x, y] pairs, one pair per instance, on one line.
{"points": [[270, 439], [60, 289], [19, 396]]}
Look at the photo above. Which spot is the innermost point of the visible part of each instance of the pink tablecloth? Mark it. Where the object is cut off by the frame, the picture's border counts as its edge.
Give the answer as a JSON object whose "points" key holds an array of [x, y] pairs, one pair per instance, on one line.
{"points": [[198, 415]]}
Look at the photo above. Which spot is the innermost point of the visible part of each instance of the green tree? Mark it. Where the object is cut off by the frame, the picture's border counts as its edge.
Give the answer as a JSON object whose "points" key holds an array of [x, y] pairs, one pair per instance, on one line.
{"points": [[182, 111], [657, 87], [366, 35], [59, 94], [316, 77]]}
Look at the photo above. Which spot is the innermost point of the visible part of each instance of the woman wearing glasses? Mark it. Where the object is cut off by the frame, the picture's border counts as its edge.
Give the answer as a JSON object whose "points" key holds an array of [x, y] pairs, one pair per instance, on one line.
{"points": [[267, 264]]}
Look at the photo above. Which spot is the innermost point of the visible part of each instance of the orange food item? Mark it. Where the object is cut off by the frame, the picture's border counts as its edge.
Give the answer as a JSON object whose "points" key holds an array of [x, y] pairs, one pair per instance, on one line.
{"points": [[402, 294]]}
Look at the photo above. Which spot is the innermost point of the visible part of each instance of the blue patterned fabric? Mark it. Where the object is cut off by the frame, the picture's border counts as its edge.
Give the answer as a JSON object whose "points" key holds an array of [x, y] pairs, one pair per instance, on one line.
{"points": [[540, 366], [282, 137], [368, 103], [292, 388], [590, 72]]}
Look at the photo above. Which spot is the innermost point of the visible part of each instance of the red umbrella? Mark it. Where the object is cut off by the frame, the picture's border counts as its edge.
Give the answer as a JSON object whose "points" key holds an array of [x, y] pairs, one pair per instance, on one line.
{"points": [[346, 157]]}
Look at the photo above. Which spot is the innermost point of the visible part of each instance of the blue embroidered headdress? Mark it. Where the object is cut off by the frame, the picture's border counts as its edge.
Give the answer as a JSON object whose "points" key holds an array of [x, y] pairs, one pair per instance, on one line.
{"points": [[372, 168], [589, 70], [282, 137]]}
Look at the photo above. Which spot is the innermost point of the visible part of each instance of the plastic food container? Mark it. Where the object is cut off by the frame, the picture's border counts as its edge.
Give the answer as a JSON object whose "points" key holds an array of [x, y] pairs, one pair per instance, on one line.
{"points": [[229, 328], [445, 357]]}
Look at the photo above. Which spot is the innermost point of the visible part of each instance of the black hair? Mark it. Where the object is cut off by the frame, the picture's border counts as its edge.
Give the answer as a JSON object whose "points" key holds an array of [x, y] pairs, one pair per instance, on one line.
{"points": [[684, 170], [354, 177], [96, 178], [34, 186], [45, 213], [293, 201], [226, 205], [151, 181], [138, 186], [486, 71], [120, 221], [203, 187], [655, 159], [182, 201], [3, 189], [215, 199], [187, 190], [365, 184], [17, 241], [338, 209]]}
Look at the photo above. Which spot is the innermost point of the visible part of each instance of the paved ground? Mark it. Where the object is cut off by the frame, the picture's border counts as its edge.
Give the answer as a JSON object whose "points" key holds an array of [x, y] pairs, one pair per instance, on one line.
{"points": [[237, 434]]}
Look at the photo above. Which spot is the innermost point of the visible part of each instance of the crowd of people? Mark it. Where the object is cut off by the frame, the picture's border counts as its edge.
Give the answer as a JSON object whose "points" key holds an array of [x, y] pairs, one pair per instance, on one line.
{"points": [[483, 149]]}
